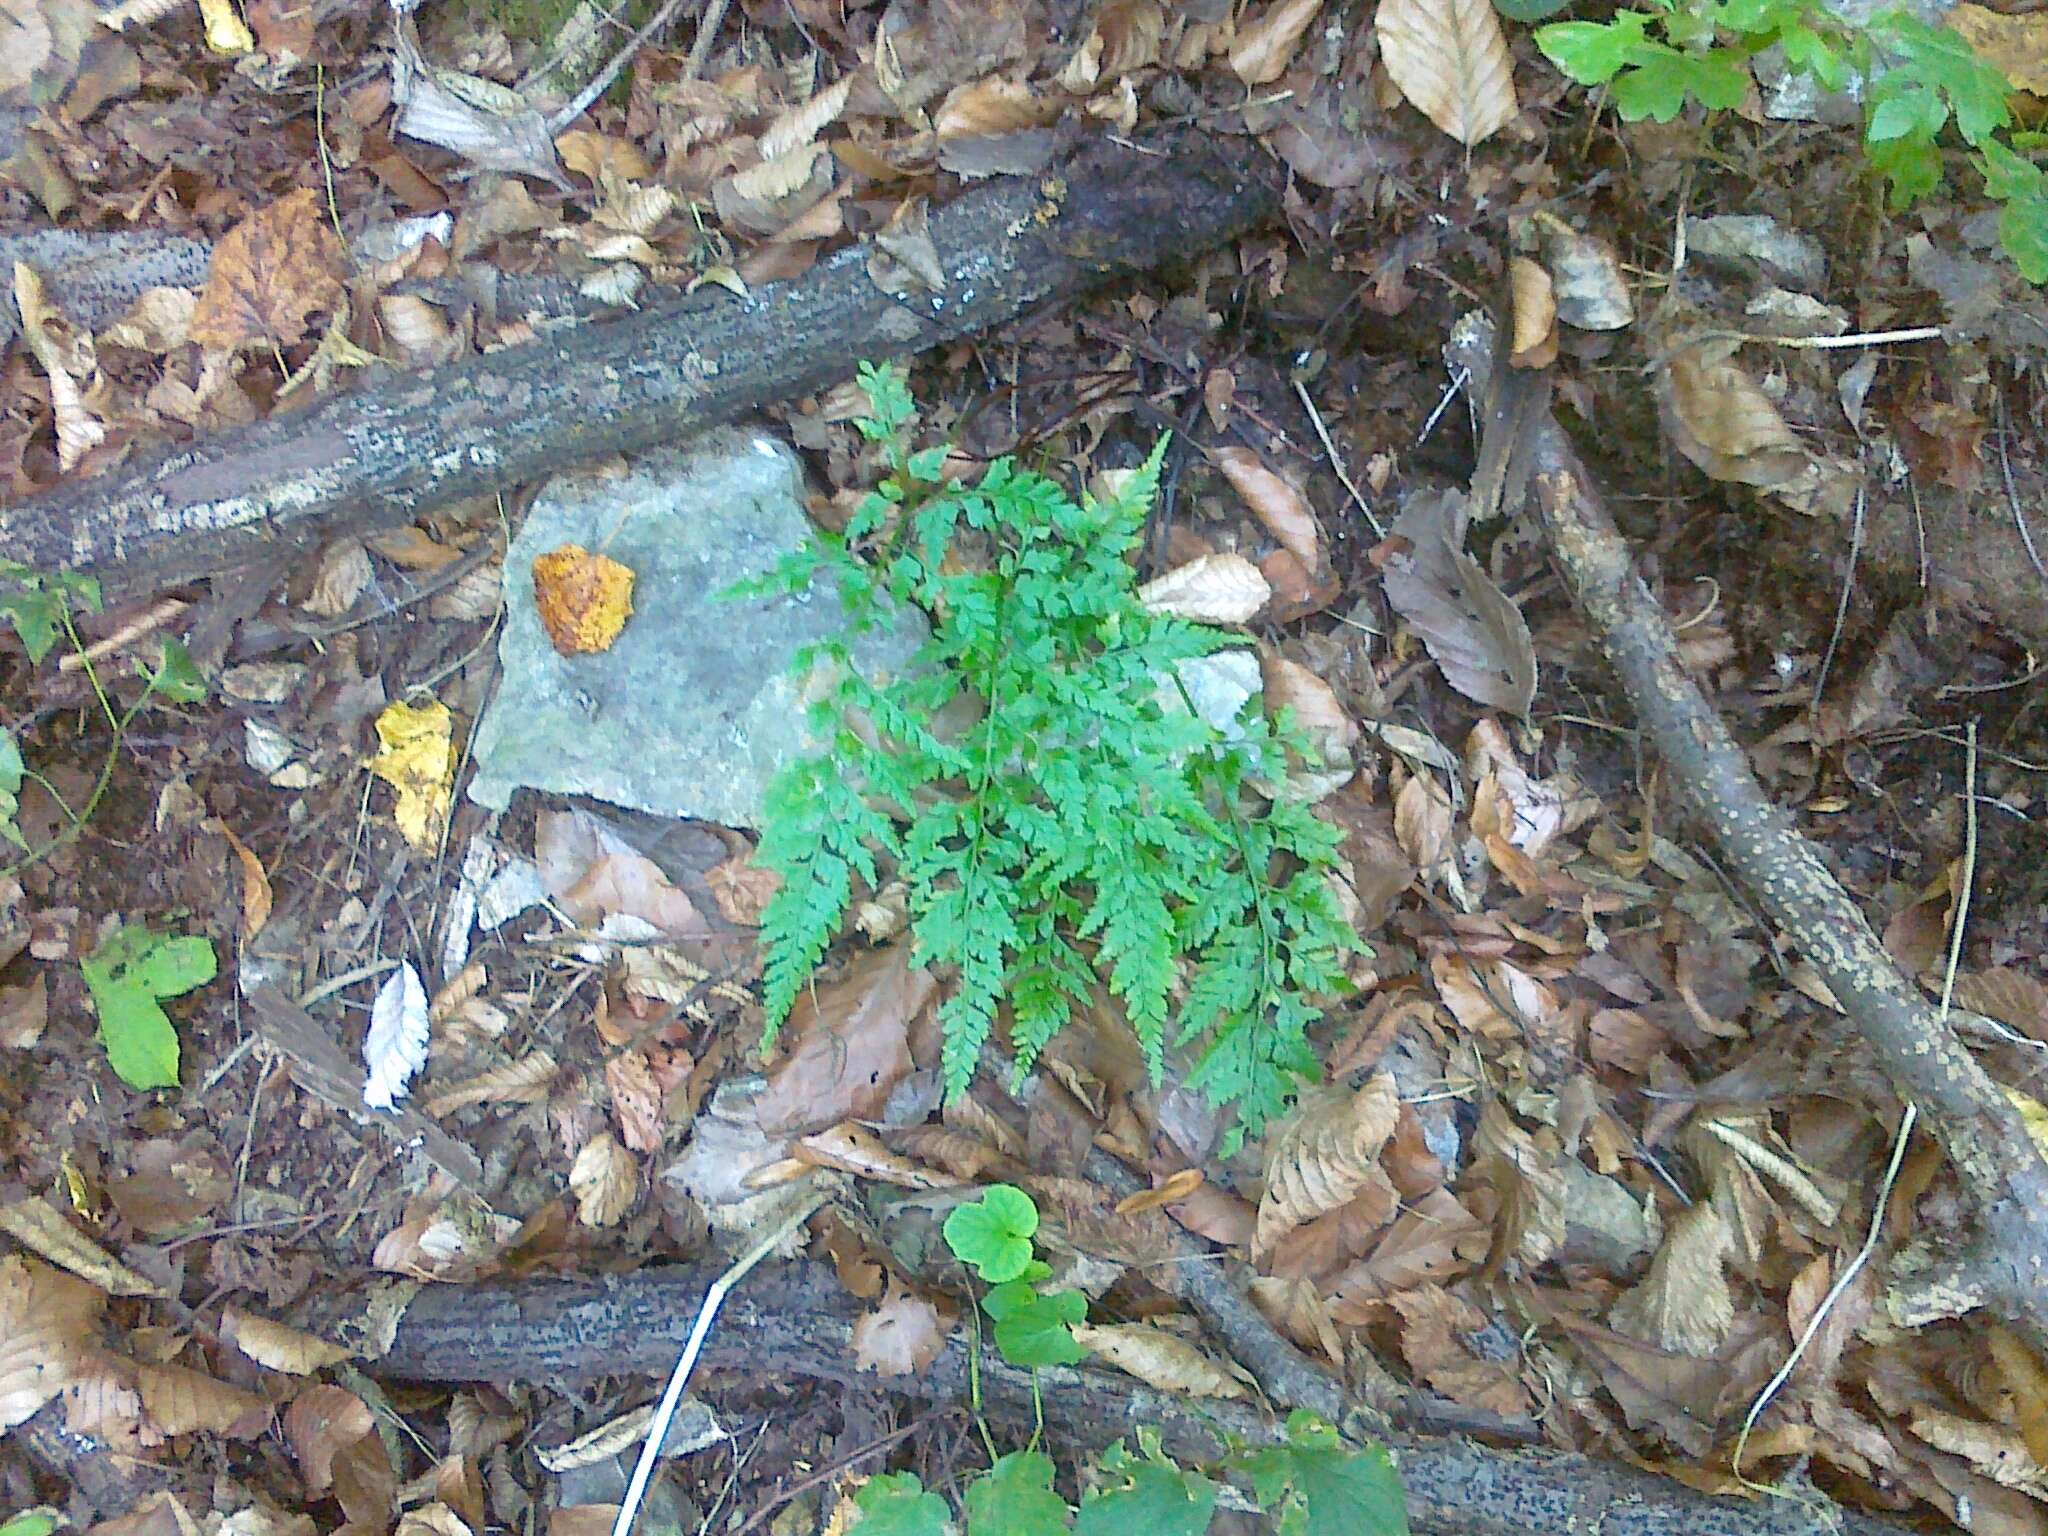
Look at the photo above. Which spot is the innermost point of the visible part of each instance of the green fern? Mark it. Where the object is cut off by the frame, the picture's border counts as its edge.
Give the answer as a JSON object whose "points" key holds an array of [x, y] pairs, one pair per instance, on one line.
{"points": [[1087, 824]]}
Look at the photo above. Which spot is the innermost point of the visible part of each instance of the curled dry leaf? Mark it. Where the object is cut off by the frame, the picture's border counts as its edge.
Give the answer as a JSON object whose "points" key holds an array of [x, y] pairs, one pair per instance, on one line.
{"points": [[1435, 1238], [1265, 43], [1723, 421], [1450, 59], [1296, 1308], [1535, 333], [256, 897], [992, 106], [321, 1423], [605, 1181], [859, 1151], [1683, 1303], [279, 1348], [1173, 1190], [637, 1100], [1586, 281], [1276, 502], [594, 873], [901, 1337], [1434, 1327], [1322, 1154], [1215, 589], [69, 360], [1159, 1359]]}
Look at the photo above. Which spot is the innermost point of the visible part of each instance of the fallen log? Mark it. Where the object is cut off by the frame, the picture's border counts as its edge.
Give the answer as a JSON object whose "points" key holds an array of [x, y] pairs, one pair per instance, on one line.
{"points": [[384, 453], [796, 1320]]}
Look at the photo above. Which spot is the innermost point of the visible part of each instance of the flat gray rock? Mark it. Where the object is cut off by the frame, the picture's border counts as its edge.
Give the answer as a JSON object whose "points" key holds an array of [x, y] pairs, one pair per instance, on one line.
{"points": [[693, 709]]}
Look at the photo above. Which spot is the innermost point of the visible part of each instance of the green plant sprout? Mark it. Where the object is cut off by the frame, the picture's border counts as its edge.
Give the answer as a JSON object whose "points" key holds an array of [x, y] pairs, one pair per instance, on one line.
{"points": [[1918, 78], [40, 607], [1086, 826], [1310, 1480], [127, 974]]}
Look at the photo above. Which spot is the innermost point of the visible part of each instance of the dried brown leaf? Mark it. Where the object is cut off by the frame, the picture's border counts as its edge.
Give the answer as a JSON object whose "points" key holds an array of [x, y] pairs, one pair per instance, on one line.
{"points": [[2015, 45], [1322, 1154], [1434, 1239], [605, 1181], [1214, 589], [1434, 1327], [2027, 1381], [742, 889], [1159, 1359], [2007, 994], [992, 106], [1422, 821], [256, 897], [321, 1423], [1535, 333], [525, 1081], [595, 874], [637, 1100], [34, 1224], [278, 1347], [1277, 503], [1723, 421], [1296, 1308], [179, 1401], [850, 1045], [1265, 44], [270, 274], [1683, 1303], [46, 1319], [1450, 59], [1471, 628], [859, 1151], [901, 1337], [24, 1013]]}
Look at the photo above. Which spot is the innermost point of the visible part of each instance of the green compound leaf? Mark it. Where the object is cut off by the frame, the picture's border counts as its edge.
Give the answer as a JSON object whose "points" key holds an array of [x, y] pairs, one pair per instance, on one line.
{"points": [[1318, 1483], [895, 1504], [126, 976], [1591, 52], [994, 1233], [1036, 1327], [1015, 1498], [1148, 1495]]}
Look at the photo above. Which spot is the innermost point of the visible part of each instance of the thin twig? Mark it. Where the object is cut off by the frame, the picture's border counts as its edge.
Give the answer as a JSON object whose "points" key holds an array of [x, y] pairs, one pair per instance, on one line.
{"points": [[2012, 496], [1337, 459], [686, 1362], [1827, 660], [707, 33]]}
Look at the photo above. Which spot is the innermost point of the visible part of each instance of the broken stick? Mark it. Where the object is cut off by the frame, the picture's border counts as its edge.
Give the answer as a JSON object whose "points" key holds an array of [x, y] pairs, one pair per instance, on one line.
{"points": [[382, 454]]}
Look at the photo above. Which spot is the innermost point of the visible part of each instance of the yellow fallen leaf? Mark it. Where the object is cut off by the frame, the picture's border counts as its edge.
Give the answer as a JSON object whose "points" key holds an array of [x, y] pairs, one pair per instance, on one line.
{"points": [[225, 30], [418, 761], [2033, 1115]]}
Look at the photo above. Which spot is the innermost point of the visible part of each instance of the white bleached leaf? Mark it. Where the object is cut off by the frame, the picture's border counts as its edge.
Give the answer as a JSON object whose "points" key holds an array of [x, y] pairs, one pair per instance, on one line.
{"points": [[396, 1046], [1216, 589]]}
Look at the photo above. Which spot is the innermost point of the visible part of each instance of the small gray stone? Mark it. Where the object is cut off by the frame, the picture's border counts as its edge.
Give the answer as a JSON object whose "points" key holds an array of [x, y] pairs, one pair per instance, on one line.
{"points": [[693, 709]]}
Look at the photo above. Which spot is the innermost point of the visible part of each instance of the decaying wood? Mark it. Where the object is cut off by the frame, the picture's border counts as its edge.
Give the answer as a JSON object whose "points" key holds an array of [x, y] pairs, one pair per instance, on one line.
{"points": [[383, 453], [1919, 1050], [795, 1322]]}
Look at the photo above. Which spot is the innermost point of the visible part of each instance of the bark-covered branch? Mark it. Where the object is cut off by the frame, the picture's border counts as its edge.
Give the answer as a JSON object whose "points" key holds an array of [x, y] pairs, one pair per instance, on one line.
{"points": [[795, 1322], [388, 451]]}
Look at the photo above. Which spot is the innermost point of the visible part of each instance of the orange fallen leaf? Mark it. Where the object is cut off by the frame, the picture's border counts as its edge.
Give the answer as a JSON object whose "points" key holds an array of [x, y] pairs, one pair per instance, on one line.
{"points": [[584, 599]]}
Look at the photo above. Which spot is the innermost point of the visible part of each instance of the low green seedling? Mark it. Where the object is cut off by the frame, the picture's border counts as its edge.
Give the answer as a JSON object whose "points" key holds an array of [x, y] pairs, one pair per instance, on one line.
{"points": [[993, 1237], [1086, 826], [31, 1522], [1310, 1483], [40, 608], [1311, 1480], [128, 975], [1918, 80]]}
